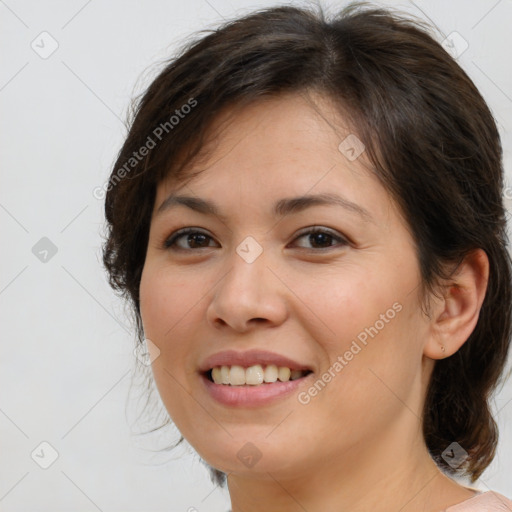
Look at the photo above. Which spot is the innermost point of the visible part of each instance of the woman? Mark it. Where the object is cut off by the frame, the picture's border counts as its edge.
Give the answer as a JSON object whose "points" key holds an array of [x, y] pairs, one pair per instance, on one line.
{"points": [[307, 218]]}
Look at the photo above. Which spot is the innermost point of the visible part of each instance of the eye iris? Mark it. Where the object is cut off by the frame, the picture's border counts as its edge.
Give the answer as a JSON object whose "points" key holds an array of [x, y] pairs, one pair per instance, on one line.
{"points": [[321, 238], [191, 237]]}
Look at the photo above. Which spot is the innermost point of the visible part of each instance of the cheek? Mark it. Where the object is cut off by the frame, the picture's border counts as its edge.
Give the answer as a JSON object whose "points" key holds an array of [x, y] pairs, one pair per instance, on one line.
{"points": [[165, 302], [366, 323], [167, 312], [348, 302]]}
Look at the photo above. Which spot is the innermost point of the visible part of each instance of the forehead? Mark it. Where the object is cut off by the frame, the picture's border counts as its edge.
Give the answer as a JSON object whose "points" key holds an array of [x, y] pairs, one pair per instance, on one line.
{"points": [[285, 146], [284, 127]]}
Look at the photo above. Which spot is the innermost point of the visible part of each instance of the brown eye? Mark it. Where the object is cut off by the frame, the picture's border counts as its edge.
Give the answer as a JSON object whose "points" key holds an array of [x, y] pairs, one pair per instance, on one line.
{"points": [[193, 239], [322, 239]]}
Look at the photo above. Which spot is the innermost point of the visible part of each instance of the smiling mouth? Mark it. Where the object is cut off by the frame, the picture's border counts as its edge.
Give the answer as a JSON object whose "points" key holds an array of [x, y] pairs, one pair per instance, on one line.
{"points": [[255, 375]]}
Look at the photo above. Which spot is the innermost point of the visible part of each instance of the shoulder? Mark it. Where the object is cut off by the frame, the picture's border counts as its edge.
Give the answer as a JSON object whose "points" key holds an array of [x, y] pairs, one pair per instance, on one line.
{"points": [[489, 501]]}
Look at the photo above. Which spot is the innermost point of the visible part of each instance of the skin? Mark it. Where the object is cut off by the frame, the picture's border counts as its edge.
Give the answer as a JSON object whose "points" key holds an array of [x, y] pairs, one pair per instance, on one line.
{"points": [[357, 445]]}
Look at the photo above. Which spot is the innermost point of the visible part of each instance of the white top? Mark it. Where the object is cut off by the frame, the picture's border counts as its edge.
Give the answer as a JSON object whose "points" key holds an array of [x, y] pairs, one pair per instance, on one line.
{"points": [[489, 501]]}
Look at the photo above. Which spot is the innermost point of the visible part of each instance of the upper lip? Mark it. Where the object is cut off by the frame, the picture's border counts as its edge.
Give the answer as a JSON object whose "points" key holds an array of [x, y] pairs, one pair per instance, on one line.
{"points": [[250, 358]]}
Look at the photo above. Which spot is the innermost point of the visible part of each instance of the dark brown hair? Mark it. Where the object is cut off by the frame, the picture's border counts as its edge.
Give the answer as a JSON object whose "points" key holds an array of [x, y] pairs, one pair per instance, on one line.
{"points": [[428, 133]]}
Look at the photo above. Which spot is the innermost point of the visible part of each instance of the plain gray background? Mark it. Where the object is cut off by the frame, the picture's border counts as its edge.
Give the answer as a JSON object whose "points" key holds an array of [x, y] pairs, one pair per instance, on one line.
{"points": [[66, 341]]}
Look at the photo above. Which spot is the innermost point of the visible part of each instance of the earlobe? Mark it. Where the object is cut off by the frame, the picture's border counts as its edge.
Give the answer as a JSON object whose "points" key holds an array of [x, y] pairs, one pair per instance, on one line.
{"points": [[455, 315]]}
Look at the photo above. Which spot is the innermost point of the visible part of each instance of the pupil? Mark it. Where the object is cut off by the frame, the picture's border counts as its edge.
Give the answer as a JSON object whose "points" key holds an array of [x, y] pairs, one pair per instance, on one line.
{"points": [[320, 237], [192, 237]]}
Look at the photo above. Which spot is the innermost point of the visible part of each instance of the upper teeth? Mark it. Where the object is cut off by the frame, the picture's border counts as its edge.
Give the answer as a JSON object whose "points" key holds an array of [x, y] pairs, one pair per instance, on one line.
{"points": [[254, 375]]}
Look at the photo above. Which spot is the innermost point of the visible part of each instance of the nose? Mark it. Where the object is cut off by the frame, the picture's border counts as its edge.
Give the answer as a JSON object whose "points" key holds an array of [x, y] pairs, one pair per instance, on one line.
{"points": [[248, 295]]}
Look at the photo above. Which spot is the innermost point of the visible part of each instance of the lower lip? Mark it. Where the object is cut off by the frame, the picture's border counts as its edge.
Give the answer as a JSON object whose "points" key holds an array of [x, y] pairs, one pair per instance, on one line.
{"points": [[252, 396]]}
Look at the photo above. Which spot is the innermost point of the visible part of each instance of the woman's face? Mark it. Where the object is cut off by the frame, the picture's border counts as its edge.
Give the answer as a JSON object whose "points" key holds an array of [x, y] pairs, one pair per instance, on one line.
{"points": [[342, 303]]}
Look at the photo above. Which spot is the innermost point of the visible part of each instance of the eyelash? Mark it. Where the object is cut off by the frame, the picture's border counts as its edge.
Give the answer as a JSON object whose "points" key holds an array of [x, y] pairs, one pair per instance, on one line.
{"points": [[170, 243]]}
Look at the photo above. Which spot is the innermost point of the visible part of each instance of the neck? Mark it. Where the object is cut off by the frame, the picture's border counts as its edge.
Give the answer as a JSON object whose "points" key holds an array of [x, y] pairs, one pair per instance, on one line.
{"points": [[394, 473]]}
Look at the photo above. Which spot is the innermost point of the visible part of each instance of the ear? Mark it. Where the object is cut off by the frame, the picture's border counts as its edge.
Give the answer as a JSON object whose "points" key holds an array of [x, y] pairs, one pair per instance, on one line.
{"points": [[455, 315]]}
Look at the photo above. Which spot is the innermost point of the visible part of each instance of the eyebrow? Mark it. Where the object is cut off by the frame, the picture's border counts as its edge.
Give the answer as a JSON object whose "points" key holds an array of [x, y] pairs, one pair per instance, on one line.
{"points": [[280, 209]]}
